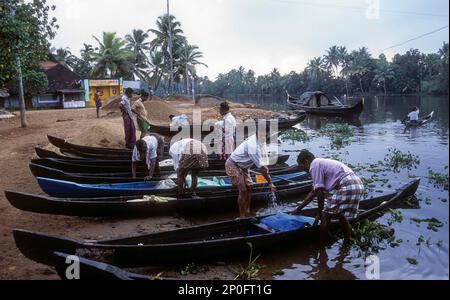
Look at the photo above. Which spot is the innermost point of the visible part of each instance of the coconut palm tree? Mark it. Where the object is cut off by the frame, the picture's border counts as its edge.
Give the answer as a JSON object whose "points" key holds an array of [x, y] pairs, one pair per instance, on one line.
{"points": [[345, 61], [332, 60], [157, 65], [315, 68], [138, 43], [162, 38], [189, 56], [383, 72], [113, 58], [65, 57]]}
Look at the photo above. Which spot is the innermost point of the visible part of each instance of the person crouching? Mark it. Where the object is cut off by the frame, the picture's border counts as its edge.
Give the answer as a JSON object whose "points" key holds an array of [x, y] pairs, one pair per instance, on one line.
{"points": [[341, 187], [189, 156], [150, 150]]}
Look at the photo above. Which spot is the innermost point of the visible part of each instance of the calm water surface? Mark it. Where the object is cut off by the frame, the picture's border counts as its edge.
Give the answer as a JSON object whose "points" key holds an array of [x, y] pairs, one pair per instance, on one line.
{"points": [[378, 129]]}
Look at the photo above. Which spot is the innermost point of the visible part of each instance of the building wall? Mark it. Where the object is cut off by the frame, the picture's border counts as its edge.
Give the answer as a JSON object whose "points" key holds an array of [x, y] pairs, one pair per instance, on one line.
{"points": [[107, 88]]}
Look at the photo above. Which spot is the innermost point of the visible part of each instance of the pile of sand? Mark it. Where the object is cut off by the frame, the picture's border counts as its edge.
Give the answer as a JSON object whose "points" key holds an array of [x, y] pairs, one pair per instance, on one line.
{"points": [[241, 113], [113, 103], [209, 100], [107, 134], [159, 111]]}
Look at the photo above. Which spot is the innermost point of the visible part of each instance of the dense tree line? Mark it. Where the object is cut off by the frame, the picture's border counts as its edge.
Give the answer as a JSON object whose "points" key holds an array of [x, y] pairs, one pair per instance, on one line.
{"points": [[342, 72], [142, 55]]}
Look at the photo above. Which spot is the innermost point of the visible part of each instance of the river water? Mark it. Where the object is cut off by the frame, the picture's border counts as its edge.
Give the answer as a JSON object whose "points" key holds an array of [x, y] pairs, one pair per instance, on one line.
{"points": [[421, 252]]}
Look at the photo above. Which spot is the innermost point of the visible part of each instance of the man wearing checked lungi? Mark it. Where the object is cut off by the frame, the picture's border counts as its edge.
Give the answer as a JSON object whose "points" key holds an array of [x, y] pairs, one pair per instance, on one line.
{"points": [[339, 185]]}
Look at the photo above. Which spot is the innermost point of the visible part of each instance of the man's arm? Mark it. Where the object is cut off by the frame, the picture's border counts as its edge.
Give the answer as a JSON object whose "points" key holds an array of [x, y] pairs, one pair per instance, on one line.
{"points": [[151, 169], [320, 193], [265, 172]]}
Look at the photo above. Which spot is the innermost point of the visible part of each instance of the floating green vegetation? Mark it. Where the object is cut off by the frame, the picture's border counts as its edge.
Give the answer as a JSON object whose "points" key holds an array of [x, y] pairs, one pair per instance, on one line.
{"points": [[433, 223], [398, 160], [438, 179], [190, 268], [295, 135], [339, 134], [412, 202], [412, 261], [370, 236], [422, 240], [251, 271], [336, 128], [396, 216]]}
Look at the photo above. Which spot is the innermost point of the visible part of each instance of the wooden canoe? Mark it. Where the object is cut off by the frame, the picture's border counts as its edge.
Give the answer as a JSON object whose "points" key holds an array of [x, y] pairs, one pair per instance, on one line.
{"points": [[138, 206], [329, 110], [43, 171], [425, 120], [61, 188], [199, 243], [283, 124], [119, 166], [94, 270]]}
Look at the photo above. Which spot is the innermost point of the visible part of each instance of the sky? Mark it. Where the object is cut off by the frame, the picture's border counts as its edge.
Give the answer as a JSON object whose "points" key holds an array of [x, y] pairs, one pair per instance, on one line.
{"points": [[263, 34]]}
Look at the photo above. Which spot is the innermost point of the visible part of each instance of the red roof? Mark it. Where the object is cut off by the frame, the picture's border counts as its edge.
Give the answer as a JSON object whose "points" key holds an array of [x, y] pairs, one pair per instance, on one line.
{"points": [[59, 77]]}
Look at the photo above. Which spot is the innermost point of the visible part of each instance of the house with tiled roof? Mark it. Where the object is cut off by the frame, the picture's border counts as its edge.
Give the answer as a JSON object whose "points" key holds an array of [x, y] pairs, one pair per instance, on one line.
{"points": [[64, 89]]}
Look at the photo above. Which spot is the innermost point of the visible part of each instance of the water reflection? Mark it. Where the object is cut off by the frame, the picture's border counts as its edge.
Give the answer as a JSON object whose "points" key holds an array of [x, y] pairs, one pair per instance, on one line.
{"points": [[321, 269], [317, 122]]}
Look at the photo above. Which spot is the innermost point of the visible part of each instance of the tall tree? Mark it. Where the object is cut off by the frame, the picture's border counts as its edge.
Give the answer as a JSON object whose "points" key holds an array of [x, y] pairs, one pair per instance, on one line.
{"points": [[162, 38], [332, 60], [25, 31], [138, 43], [383, 72], [113, 58], [189, 58]]}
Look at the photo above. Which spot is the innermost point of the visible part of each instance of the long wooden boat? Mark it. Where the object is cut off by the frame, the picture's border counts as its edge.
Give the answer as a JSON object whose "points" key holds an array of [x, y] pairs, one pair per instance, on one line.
{"points": [[137, 206], [330, 109], [61, 188], [119, 166], [94, 270], [63, 144], [43, 171], [283, 124], [425, 120], [199, 243]]}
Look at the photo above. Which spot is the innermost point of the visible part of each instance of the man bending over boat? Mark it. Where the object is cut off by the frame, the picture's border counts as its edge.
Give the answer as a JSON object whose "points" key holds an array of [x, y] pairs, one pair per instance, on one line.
{"points": [[336, 182], [188, 155], [237, 168], [150, 150]]}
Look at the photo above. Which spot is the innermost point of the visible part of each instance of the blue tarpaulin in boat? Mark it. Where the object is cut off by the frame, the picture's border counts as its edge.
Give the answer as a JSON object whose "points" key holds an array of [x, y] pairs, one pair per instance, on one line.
{"points": [[285, 222]]}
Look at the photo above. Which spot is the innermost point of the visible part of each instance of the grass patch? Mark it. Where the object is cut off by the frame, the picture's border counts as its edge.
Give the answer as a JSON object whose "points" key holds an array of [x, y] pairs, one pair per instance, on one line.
{"points": [[251, 271]]}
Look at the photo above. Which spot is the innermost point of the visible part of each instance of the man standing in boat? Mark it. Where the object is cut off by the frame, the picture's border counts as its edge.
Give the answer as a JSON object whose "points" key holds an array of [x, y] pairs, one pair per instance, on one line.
{"points": [[336, 182], [189, 156], [139, 109], [127, 115], [227, 130], [237, 168], [150, 150], [413, 116]]}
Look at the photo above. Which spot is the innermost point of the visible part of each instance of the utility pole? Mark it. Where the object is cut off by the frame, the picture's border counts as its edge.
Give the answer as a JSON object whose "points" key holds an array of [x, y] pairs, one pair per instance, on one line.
{"points": [[170, 48], [23, 117]]}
